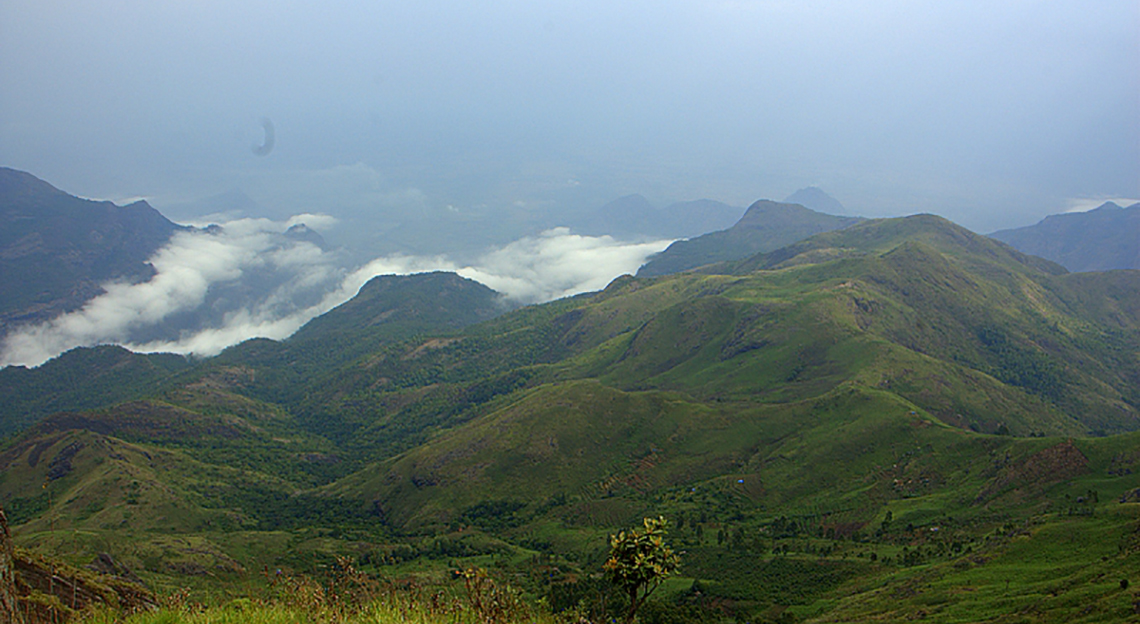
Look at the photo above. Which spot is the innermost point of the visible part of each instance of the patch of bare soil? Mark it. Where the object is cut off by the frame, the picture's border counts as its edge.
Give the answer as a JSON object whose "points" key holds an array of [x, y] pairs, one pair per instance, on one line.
{"points": [[1046, 467]]}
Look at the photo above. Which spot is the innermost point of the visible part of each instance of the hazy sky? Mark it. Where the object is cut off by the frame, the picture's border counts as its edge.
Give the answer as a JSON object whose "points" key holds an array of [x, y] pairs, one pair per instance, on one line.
{"points": [[991, 113]]}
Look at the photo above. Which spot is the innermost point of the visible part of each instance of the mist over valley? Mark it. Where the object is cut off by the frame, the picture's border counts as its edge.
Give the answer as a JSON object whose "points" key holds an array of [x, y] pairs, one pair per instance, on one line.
{"points": [[682, 313]]}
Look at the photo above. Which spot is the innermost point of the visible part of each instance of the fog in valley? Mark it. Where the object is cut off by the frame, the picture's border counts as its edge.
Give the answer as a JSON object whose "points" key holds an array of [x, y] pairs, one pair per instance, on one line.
{"points": [[538, 148]]}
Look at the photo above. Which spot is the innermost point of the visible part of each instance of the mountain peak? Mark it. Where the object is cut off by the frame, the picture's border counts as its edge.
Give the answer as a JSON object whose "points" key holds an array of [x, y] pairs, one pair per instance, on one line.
{"points": [[624, 216], [303, 233], [882, 236], [766, 226], [56, 250], [405, 303], [16, 183], [815, 198], [767, 213], [634, 199]]}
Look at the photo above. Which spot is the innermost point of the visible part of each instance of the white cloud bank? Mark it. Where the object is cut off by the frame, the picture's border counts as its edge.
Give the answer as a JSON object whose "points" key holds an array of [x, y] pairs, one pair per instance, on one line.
{"points": [[247, 279]]}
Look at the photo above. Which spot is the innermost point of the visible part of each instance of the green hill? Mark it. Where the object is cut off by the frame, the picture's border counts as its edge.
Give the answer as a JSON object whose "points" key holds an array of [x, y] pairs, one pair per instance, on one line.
{"points": [[867, 424], [387, 308], [84, 378], [765, 226], [406, 304], [980, 337]]}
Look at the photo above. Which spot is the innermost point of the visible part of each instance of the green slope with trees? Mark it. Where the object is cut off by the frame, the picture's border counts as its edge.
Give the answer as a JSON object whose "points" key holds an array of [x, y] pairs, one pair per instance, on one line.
{"points": [[863, 425]]}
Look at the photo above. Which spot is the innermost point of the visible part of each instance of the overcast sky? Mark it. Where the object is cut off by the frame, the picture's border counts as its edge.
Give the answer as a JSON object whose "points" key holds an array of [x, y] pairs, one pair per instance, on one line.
{"points": [[993, 114]]}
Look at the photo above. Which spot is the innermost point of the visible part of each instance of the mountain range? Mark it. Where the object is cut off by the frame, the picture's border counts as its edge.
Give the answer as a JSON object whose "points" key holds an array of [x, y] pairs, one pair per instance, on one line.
{"points": [[843, 420], [58, 253], [860, 425], [1103, 239], [463, 232], [57, 250]]}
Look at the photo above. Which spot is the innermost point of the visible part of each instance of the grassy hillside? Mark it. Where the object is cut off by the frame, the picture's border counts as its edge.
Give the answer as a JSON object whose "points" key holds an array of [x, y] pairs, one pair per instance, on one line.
{"points": [[80, 379], [765, 226], [873, 423], [406, 304]]}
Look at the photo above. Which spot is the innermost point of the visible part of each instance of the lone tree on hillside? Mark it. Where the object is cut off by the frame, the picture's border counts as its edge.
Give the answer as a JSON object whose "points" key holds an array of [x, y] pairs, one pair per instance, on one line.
{"points": [[639, 561]]}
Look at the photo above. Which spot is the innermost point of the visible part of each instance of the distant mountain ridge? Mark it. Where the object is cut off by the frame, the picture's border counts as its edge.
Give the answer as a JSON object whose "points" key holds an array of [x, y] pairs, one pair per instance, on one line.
{"points": [[387, 307], [56, 249], [468, 232], [1102, 239], [815, 198], [765, 226]]}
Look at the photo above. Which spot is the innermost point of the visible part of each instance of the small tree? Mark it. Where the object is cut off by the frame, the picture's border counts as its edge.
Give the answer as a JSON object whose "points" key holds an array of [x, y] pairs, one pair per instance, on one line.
{"points": [[639, 562]]}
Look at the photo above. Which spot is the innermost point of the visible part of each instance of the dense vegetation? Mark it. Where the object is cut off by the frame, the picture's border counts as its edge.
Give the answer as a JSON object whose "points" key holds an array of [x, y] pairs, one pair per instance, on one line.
{"points": [[874, 423]]}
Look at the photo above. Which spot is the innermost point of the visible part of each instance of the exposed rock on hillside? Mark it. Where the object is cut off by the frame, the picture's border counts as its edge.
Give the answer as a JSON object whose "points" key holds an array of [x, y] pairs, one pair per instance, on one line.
{"points": [[9, 612], [37, 589]]}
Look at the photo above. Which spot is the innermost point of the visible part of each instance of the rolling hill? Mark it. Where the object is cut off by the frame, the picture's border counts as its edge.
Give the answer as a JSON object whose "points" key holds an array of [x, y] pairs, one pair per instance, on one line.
{"points": [[862, 425], [386, 308], [945, 323]]}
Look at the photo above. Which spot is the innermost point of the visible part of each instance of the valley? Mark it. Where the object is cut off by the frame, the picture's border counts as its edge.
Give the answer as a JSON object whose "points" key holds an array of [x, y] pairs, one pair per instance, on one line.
{"points": [[712, 312], [899, 419]]}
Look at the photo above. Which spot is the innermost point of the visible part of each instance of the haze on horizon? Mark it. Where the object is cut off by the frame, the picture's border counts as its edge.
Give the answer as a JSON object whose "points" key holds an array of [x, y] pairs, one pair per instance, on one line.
{"points": [[991, 114], [437, 135]]}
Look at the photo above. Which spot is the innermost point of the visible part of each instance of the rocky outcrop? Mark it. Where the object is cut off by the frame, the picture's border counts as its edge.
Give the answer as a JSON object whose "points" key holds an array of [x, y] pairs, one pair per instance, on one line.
{"points": [[9, 608], [52, 591], [37, 589]]}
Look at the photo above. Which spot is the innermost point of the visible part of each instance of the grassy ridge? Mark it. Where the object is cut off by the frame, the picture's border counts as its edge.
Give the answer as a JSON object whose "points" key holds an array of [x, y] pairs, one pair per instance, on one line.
{"points": [[856, 427], [765, 226], [80, 379]]}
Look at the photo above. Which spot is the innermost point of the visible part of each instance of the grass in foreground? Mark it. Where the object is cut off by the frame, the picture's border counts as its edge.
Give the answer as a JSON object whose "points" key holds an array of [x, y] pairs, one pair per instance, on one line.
{"points": [[350, 598], [381, 612]]}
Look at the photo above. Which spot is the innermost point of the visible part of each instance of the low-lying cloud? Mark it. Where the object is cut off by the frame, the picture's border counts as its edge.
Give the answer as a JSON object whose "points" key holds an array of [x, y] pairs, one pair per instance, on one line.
{"points": [[1085, 204], [218, 286], [558, 264]]}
